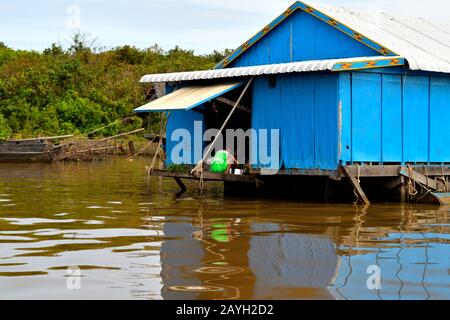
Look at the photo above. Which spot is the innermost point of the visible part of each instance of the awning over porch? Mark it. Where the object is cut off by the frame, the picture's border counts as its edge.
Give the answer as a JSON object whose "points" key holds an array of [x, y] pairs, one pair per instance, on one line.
{"points": [[189, 97]]}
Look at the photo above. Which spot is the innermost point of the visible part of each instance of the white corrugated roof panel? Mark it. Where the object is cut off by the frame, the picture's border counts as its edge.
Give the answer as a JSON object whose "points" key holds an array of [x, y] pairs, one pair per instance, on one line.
{"points": [[305, 66]]}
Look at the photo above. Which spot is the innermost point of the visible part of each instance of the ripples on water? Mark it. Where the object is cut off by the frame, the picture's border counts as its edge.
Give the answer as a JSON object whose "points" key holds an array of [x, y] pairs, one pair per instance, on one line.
{"points": [[131, 240]]}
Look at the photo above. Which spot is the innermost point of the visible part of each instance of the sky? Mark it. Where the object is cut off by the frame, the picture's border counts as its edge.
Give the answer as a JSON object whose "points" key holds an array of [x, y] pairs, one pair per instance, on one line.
{"points": [[201, 25]]}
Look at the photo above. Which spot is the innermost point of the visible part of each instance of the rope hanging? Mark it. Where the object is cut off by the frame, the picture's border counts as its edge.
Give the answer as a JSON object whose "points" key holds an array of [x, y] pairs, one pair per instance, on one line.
{"points": [[412, 190], [162, 132], [358, 178], [199, 168], [412, 183], [444, 179]]}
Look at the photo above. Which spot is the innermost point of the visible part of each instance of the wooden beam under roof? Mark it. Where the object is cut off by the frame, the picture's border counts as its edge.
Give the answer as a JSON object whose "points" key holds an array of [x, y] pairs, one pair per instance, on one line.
{"points": [[232, 103]]}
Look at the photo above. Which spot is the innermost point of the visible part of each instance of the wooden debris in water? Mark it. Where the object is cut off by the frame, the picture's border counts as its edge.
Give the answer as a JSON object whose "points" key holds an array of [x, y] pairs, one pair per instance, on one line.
{"points": [[85, 149]]}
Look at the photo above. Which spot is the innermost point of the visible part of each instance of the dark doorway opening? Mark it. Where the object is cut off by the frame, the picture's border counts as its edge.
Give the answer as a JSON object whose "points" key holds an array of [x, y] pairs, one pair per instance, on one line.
{"points": [[217, 111]]}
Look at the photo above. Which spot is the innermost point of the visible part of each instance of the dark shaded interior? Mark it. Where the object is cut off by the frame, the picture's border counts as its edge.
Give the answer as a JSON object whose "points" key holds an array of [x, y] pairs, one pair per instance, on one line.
{"points": [[216, 112]]}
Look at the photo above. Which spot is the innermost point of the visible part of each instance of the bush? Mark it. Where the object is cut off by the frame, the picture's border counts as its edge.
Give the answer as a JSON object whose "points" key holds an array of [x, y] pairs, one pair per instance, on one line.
{"points": [[178, 168], [80, 89]]}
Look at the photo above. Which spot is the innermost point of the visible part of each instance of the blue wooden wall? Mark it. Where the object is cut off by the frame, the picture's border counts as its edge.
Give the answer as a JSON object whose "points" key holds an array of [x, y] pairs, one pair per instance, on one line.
{"points": [[304, 108], [302, 37], [394, 118], [183, 120]]}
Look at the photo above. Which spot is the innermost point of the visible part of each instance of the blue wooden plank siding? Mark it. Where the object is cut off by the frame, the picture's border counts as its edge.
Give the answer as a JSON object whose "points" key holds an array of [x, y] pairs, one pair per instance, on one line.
{"points": [[304, 108], [440, 120], [345, 117], [392, 134], [298, 125], [326, 121], [267, 112], [366, 116], [302, 37], [184, 120], [416, 99], [394, 118]]}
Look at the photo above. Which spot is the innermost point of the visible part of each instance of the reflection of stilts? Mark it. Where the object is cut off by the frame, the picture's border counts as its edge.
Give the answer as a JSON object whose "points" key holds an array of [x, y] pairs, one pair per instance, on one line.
{"points": [[400, 269], [379, 266], [427, 261], [361, 212], [347, 277]]}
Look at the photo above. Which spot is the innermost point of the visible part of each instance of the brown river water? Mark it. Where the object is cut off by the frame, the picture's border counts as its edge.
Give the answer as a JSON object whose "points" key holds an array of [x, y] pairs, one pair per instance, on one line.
{"points": [[102, 231]]}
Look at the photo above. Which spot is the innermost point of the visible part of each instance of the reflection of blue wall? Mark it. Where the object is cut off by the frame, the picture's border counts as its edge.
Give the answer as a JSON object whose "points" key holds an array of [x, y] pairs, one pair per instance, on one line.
{"points": [[179, 257], [284, 260], [419, 272]]}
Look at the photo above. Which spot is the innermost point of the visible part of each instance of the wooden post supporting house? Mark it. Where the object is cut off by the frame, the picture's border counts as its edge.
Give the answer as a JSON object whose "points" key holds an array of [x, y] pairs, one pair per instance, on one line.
{"points": [[356, 185]]}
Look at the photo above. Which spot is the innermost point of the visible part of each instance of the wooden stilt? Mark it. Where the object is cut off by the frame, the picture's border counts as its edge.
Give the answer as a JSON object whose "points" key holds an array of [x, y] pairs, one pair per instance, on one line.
{"points": [[397, 186], [403, 191], [181, 185], [356, 185], [395, 183]]}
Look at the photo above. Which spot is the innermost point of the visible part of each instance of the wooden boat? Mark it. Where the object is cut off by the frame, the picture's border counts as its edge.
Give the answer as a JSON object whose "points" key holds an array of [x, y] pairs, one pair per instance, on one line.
{"points": [[37, 150]]}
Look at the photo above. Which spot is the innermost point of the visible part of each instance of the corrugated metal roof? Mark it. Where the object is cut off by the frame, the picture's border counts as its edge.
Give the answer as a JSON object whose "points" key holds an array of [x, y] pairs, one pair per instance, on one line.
{"points": [[425, 44], [305, 66], [188, 97]]}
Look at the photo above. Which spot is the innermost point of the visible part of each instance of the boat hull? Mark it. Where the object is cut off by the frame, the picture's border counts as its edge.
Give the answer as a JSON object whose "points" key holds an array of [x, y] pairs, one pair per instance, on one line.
{"points": [[12, 152]]}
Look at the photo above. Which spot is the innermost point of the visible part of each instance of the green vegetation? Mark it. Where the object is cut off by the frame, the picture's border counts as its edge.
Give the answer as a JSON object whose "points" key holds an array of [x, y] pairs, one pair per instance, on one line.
{"points": [[79, 89], [178, 168]]}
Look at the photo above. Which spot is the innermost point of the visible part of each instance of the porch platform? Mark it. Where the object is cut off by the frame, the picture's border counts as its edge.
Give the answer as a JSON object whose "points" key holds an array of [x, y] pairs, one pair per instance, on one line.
{"points": [[207, 176], [434, 179]]}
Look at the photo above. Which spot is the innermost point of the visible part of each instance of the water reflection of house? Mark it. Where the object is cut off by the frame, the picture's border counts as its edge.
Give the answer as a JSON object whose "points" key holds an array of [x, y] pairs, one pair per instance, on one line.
{"points": [[410, 248], [266, 264], [262, 260], [196, 263], [412, 267], [180, 254], [284, 263]]}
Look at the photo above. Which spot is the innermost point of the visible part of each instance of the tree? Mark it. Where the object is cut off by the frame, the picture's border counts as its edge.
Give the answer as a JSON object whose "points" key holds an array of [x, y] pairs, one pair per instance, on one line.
{"points": [[76, 90], [218, 56], [5, 130], [82, 43], [128, 54], [54, 50]]}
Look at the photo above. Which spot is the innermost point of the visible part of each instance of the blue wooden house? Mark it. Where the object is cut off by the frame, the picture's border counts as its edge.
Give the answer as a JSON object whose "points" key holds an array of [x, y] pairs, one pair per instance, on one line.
{"points": [[355, 95]]}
